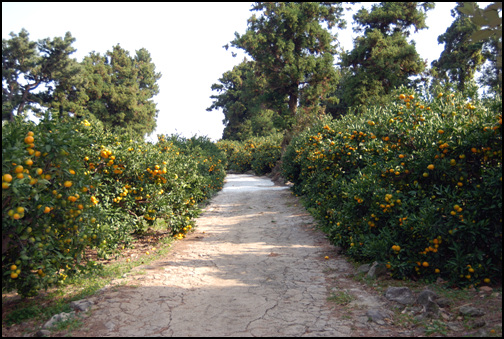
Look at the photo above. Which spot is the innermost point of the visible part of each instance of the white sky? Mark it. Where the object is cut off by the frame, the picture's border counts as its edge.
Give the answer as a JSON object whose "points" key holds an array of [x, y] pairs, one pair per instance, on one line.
{"points": [[185, 42]]}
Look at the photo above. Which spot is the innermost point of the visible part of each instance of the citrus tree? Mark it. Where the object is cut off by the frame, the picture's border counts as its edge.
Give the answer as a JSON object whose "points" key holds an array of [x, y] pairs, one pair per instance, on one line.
{"points": [[416, 184], [46, 213], [69, 186]]}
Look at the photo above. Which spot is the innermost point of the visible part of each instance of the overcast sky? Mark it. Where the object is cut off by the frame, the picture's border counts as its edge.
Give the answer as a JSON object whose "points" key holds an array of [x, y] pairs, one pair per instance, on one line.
{"points": [[185, 42]]}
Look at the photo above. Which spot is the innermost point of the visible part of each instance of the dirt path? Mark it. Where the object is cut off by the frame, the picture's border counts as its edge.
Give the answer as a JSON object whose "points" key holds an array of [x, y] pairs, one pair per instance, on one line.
{"points": [[254, 267]]}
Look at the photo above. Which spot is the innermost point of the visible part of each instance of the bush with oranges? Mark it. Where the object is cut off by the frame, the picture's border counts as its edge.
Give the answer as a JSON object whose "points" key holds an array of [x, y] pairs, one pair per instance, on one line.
{"points": [[45, 214], [416, 184], [68, 186]]}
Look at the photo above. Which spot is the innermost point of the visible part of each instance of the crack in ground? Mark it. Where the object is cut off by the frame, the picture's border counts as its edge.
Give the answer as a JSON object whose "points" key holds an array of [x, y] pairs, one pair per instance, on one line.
{"points": [[257, 269]]}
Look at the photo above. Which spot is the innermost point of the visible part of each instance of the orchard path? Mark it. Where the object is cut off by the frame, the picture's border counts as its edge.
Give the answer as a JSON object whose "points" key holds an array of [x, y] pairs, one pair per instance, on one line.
{"points": [[254, 267]]}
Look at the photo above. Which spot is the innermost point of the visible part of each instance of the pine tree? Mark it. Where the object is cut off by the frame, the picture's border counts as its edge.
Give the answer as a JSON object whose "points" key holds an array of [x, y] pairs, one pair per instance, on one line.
{"points": [[382, 58], [490, 29], [247, 104], [461, 57], [293, 50], [120, 89], [34, 74]]}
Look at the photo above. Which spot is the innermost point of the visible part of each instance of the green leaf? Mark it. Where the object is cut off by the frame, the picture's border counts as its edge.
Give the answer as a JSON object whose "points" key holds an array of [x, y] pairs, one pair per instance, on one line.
{"points": [[467, 9], [479, 20], [481, 35]]}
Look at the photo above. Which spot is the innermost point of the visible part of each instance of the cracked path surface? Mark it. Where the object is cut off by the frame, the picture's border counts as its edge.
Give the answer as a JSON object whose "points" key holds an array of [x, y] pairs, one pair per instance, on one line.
{"points": [[253, 267]]}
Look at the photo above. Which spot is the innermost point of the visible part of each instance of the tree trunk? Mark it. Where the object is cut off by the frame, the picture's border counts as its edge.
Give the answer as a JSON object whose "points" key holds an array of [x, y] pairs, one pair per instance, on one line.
{"points": [[293, 98]]}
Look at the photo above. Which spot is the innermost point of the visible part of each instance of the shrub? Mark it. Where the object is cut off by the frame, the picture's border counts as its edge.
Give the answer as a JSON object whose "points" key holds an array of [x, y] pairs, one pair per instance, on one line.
{"points": [[259, 154], [416, 185], [69, 185], [45, 212]]}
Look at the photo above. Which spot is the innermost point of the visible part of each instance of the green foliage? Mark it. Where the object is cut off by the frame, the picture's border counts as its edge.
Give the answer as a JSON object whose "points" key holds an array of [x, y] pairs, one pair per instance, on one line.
{"points": [[82, 187], [461, 57], [382, 59], [414, 184], [258, 154], [293, 51], [115, 88], [489, 21], [248, 105], [120, 89], [28, 66]]}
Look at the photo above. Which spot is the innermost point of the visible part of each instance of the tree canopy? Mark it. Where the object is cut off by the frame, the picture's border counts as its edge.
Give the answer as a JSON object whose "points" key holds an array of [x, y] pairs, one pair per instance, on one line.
{"points": [[33, 73], [116, 88], [461, 57], [382, 58], [249, 106], [120, 89], [293, 50], [490, 31], [292, 56]]}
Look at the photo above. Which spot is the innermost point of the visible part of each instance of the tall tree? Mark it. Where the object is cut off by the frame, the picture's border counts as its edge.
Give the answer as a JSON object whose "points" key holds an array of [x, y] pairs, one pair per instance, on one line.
{"points": [[382, 58], [292, 49], [461, 57], [120, 89], [34, 72], [248, 105], [490, 29]]}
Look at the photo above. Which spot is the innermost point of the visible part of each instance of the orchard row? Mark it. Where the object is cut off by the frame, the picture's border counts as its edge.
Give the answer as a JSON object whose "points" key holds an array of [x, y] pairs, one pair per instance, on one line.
{"points": [[259, 154], [416, 184], [69, 186]]}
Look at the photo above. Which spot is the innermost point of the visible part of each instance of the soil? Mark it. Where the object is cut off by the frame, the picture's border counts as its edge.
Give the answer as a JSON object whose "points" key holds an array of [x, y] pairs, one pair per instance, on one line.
{"points": [[255, 266]]}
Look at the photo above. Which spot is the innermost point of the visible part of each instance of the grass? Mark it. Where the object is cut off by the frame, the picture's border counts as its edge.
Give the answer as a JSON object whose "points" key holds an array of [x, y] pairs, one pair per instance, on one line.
{"points": [[341, 297]]}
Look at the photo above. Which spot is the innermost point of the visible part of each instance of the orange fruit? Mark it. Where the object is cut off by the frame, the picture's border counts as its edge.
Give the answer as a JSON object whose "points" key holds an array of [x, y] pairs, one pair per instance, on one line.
{"points": [[29, 139], [67, 183], [7, 178], [13, 267], [47, 209], [18, 169], [13, 275], [425, 264], [431, 167]]}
